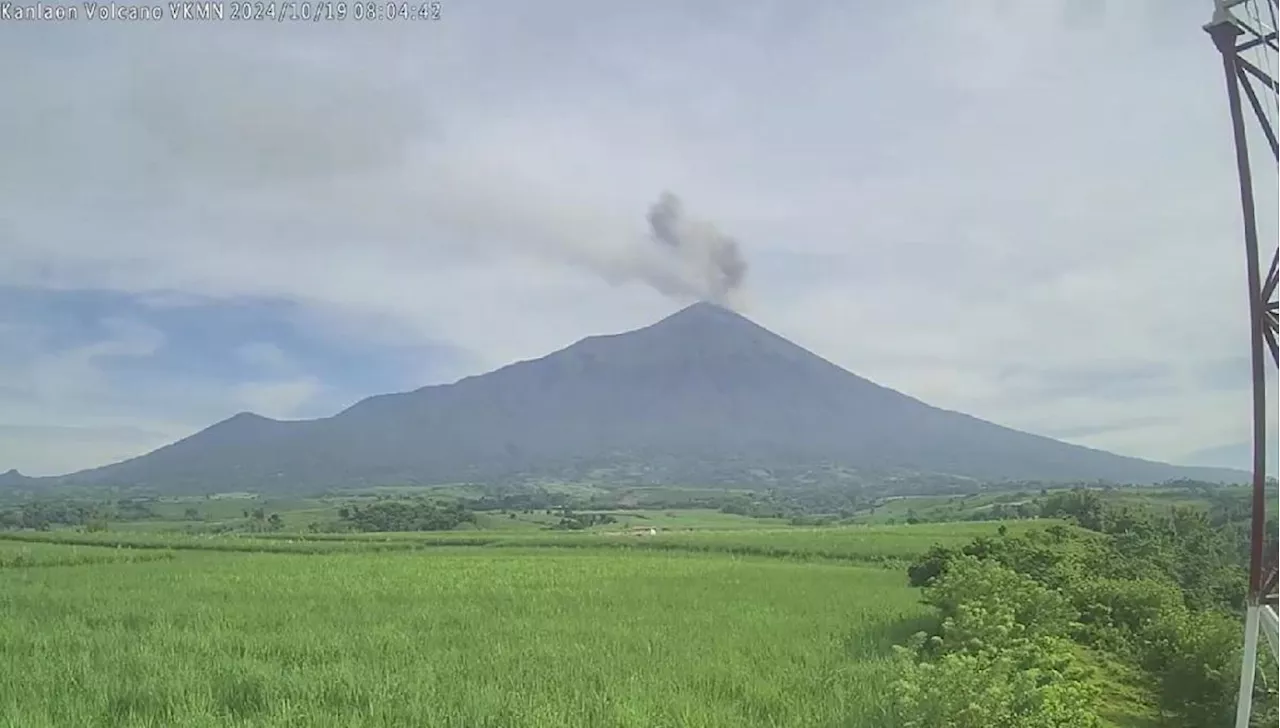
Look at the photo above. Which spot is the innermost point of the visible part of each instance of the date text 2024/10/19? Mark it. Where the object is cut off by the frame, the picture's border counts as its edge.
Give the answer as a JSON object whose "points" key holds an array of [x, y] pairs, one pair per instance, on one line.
{"points": [[315, 11], [321, 11]]}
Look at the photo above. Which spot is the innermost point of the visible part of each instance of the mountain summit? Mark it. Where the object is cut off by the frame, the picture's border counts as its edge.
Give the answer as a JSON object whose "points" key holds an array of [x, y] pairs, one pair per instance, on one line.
{"points": [[704, 396]]}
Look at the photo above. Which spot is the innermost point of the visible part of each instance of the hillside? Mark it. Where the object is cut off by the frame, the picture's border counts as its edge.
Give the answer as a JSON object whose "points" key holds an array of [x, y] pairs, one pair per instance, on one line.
{"points": [[703, 396]]}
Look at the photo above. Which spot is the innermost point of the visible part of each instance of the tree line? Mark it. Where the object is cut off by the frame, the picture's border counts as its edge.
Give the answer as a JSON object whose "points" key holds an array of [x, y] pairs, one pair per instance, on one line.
{"points": [[44, 514], [405, 515], [1037, 630]]}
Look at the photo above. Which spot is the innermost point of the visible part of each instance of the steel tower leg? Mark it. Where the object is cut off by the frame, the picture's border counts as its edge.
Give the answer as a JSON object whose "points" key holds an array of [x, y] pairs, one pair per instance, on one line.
{"points": [[1225, 30]]}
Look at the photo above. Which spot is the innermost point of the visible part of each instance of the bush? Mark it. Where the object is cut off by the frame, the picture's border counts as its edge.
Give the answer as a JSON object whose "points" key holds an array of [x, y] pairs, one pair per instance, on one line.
{"points": [[986, 605], [1001, 657], [1159, 590], [1115, 613], [1035, 685], [1197, 655]]}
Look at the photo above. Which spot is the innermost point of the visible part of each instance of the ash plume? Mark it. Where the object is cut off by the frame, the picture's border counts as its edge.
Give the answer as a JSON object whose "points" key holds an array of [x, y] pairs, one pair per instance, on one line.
{"points": [[679, 256], [711, 263]]}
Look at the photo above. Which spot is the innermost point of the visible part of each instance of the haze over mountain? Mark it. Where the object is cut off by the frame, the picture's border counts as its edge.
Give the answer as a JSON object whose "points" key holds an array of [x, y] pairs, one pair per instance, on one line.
{"points": [[703, 396]]}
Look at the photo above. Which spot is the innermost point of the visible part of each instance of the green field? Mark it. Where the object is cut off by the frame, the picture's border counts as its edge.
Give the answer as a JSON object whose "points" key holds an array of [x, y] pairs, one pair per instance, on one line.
{"points": [[20, 555], [884, 545], [535, 629], [652, 617]]}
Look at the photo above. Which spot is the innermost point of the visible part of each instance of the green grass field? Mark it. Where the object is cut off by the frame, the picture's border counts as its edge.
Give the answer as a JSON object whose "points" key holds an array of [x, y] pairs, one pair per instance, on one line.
{"points": [[890, 546], [19, 555], [754, 627], [714, 619]]}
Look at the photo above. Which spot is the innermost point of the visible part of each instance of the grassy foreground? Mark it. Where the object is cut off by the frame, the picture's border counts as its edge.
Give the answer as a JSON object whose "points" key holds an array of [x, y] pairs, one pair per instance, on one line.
{"points": [[451, 637]]}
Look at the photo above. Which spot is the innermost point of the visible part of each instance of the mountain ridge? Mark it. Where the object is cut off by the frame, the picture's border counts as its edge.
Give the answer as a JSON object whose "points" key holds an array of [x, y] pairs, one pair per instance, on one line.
{"points": [[704, 393]]}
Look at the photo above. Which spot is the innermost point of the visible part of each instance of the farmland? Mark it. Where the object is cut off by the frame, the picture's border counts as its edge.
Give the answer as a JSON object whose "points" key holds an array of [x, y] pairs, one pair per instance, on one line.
{"points": [[577, 615], [888, 545], [518, 635]]}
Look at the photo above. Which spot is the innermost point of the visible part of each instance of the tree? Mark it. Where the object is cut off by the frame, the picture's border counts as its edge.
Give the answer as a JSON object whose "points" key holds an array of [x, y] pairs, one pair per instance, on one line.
{"points": [[411, 515], [1001, 658], [1033, 686], [1085, 506], [1156, 590]]}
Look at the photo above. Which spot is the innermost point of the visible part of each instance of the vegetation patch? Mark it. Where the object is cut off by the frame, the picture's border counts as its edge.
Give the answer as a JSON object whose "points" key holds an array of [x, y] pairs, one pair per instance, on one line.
{"points": [[471, 638], [1145, 592], [29, 555]]}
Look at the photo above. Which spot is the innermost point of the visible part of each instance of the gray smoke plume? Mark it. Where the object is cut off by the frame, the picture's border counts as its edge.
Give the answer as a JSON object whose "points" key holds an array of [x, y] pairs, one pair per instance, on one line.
{"points": [[679, 256], [713, 259]]}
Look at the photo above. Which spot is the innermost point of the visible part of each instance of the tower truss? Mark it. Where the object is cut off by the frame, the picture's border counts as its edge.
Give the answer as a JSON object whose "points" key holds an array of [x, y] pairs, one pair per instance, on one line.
{"points": [[1244, 32]]}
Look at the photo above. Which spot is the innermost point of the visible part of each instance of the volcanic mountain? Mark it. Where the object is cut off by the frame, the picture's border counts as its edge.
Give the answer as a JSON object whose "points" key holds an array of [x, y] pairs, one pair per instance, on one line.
{"points": [[702, 397]]}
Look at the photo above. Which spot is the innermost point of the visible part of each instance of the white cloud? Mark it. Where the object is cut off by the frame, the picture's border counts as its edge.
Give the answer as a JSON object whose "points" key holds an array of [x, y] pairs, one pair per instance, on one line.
{"points": [[277, 399], [265, 355], [55, 408], [35, 369], [54, 449], [286, 394], [1044, 188]]}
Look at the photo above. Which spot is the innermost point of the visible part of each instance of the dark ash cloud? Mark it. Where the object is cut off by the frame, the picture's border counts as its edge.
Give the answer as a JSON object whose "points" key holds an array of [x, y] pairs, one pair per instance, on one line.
{"points": [[713, 260]]}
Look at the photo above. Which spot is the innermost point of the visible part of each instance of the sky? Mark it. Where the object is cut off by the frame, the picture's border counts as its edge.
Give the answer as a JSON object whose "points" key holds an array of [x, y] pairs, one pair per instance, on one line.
{"points": [[1022, 210]]}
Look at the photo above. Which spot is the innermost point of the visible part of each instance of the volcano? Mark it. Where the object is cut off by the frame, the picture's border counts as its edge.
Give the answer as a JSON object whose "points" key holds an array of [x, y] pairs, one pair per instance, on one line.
{"points": [[702, 397]]}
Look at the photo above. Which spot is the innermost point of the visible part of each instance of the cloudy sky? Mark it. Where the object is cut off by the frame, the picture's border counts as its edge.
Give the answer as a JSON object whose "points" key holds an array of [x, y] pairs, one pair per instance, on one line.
{"points": [[1022, 210]]}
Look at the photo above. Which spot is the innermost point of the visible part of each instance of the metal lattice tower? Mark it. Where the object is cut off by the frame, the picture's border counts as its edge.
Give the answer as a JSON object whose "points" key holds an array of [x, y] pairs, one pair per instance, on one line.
{"points": [[1244, 32]]}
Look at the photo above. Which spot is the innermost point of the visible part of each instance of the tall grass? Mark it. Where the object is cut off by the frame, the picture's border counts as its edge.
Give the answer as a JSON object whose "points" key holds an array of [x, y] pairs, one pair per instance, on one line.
{"points": [[473, 638], [27, 555], [890, 546]]}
